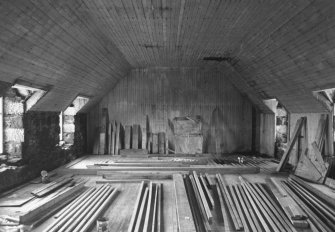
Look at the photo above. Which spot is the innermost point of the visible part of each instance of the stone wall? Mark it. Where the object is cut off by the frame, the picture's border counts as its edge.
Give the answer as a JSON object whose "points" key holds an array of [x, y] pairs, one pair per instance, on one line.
{"points": [[13, 126], [40, 149], [31, 141]]}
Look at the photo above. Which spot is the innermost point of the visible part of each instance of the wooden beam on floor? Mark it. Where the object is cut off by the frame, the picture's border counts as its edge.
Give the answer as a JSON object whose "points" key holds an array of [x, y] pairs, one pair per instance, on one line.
{"points": [[83, 215], [137, 176], [195, 208], [155, 210], [184, 213], [276, 206], [95, 212], [257, 210], [138, 202], [148, 215], [239, 209], [209, 197], [311, 215], [292, 210], [49, 202], [322, 212], [272, 210], [270, 217], [140, 164], [329, 198], [203, 197], [210, 181], [92, 170], [253, 221], [140, 218], [231, 207], [61, 221], [51, 188], [74, 203], [159, 207], [200, 205], [277, 184], [222, 206]]}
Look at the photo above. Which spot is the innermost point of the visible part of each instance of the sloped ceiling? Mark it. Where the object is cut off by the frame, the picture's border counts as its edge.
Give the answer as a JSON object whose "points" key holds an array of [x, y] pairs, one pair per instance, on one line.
{"points": [[277, 48]]}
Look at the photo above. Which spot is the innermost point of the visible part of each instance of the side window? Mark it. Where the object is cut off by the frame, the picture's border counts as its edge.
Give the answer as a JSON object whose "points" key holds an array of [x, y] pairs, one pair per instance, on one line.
{"points": [[66, 120]]}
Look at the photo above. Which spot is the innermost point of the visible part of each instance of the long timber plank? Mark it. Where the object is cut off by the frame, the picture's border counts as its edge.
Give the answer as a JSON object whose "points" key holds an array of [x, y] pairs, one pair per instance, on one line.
{"points": [[184, 213], [198, 168]]}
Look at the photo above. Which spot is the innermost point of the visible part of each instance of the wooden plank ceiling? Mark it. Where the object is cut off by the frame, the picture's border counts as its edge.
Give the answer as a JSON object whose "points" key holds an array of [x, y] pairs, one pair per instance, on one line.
{"points": [[278, 48]]}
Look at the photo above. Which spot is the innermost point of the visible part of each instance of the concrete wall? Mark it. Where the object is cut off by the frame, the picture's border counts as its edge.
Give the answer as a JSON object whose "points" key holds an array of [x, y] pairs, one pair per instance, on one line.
{"points": [[165, 93]]}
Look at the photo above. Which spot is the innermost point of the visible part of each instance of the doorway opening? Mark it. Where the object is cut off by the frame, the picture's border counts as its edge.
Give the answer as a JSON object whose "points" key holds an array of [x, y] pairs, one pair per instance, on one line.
{"points": [[281, 131]]}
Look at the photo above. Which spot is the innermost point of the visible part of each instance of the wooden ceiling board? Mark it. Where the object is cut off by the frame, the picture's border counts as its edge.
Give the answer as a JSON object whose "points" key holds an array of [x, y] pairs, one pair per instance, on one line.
{"points": [[299, 55], [278, 48], [54, 44]]}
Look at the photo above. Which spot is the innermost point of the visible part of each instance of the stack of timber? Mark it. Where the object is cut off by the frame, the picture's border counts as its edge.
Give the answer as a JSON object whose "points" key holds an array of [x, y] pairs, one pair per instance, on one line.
{"points": [[139, 142], [323, 192], [270, 217], [321, 215], [157, 143], [51, 187], [147, 213], [201, 212], [82, 213], [243, 207], [108, 140], [291, 208], [133, 137], [43, 207]]}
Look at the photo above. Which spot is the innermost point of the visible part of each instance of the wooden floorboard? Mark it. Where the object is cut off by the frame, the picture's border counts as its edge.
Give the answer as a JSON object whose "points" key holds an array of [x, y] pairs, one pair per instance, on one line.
{"points": [[120, 211]]}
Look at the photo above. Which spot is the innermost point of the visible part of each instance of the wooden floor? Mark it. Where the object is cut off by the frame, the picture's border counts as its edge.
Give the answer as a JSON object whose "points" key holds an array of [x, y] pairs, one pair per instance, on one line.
{"points": [[120, 211]]}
